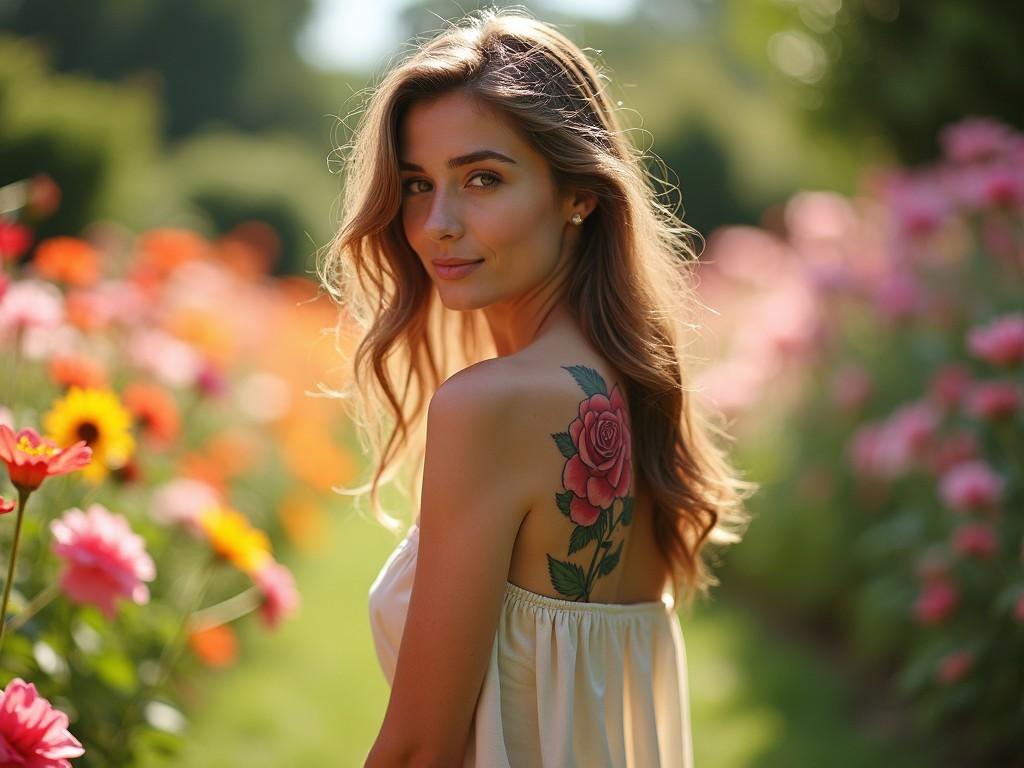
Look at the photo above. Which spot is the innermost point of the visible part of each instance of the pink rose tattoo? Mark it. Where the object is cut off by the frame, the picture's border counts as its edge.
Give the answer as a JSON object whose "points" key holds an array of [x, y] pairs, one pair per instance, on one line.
{"points": [[598, 471]]}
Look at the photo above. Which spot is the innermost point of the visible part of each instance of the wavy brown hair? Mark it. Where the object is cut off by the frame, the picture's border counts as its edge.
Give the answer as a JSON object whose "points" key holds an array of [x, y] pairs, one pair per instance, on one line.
{"points": [[630, 289]]}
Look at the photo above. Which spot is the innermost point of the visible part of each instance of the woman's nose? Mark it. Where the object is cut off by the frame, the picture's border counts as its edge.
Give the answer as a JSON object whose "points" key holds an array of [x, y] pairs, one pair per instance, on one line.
{"points": [[444, 219]]}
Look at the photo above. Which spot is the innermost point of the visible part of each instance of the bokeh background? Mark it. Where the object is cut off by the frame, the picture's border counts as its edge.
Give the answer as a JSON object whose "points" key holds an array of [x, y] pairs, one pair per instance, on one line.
{"points": [[856, 171]]}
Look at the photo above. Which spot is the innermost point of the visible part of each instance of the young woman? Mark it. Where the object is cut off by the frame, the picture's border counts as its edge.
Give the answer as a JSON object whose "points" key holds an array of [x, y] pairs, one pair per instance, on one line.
{"points": [[514, 275]]}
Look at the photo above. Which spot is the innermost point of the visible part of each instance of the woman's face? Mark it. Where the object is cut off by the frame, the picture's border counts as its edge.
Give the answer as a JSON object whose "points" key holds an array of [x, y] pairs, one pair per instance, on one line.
{"points": [[475, 191]]}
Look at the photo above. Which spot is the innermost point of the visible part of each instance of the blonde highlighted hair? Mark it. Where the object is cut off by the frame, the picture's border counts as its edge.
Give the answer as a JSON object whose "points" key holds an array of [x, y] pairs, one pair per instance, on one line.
{"points": [[629, 288]]}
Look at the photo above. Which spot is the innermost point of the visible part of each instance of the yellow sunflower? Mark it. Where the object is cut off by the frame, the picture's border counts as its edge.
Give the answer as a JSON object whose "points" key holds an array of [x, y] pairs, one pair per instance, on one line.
{"points": [[234, 539], [97, 417]]}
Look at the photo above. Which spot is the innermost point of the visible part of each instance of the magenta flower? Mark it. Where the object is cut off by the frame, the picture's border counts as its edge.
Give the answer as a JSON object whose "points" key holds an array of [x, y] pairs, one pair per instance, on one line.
{"points": [[975, 539], [975, 138], [970, 485], [280, 598], [899, 295], [993, 400], [103, 559], [32, 733], [1001, 342], [936, 602]]}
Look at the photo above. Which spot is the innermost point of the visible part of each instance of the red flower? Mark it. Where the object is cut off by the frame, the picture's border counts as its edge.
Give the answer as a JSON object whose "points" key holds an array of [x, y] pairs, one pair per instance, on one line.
{"points": [[935, 603], [954, 666], [6, 506], [600, 472], [975, 539], [14, 240], [31, 459]]}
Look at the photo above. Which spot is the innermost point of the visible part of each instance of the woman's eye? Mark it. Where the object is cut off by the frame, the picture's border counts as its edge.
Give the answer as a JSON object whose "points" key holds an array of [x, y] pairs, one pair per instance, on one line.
{"points": [[407, 186], [493, 179]]}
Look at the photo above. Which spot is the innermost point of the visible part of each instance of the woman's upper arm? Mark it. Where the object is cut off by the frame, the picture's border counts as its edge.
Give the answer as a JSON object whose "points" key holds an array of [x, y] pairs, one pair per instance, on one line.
{"points": [[470, 513]]}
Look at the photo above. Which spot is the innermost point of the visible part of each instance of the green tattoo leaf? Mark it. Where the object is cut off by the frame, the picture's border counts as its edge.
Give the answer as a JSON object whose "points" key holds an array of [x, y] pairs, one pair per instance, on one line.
{"points": [[567, 578], [627, 510], [562, 500], [610, 560], [565, 444], [590, 381], [581, 536]]}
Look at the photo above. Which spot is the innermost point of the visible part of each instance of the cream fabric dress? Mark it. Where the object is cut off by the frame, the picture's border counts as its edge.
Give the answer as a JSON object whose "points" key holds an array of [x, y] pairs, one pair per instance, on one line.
{"points": [[568, 684]]}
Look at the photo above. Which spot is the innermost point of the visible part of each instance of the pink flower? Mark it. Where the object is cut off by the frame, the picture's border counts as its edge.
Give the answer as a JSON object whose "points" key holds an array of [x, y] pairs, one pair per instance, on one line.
{"points": [[975, 138], [32, 733], [280, 598], [993, 400], [600, 470], [6, 506], [918, 202], [949, 385], [180, 501], [954, 666], [30, 304], [103, 559], [970, 485], [975, 539], [1001, 342], [936, 602]]}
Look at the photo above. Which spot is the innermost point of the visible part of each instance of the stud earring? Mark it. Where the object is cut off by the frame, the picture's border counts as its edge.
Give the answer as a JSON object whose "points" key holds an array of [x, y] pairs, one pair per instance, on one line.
{"points": [[576, 219]]}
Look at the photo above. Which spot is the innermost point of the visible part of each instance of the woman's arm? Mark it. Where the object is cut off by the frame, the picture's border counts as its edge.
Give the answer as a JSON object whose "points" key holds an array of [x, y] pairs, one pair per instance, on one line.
{"points": [[470, 512]]}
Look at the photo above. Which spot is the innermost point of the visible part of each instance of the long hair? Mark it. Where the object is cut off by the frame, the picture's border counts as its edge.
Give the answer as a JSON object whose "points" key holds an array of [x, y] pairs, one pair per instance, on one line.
{"points": [[629, 290]]}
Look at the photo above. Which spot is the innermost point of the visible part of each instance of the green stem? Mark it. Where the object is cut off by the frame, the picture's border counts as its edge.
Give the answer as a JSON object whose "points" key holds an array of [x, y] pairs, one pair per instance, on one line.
{"points": [[228, 610], [37, 603], [591, 570], [22, 498]]}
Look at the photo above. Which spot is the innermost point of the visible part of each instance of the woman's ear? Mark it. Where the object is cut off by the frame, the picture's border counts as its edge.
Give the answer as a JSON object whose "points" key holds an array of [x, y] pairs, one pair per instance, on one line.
{"points": [[583, 202]]}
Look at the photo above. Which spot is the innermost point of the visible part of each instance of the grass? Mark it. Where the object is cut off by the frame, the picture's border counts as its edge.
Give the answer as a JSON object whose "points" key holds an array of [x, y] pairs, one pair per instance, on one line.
{"points": [[313, 694]]}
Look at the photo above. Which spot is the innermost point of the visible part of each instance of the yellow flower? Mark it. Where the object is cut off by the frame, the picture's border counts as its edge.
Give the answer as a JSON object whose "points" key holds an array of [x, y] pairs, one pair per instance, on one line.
{"points": [[97, 417], [234, 539]]}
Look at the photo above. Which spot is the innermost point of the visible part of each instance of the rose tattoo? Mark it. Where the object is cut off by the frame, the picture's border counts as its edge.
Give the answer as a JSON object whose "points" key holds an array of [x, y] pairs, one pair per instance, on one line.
{"points": [[598, 447]]}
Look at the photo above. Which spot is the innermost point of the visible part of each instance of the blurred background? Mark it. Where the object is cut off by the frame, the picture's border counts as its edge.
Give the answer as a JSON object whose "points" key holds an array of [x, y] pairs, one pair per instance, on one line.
{"points": [[856, 170]]}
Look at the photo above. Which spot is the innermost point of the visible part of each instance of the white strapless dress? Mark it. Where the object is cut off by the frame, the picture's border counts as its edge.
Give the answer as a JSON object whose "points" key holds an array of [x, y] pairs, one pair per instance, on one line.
{"points": [[568, 684]]}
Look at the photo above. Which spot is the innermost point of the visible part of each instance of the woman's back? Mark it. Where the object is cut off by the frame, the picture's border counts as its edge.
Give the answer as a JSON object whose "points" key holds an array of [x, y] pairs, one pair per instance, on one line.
{"points": [[597, 681], [555, 399]]}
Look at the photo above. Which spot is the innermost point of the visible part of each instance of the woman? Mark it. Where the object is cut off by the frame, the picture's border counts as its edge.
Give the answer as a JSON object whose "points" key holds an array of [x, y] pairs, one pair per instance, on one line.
{"points": [[515, 277]]}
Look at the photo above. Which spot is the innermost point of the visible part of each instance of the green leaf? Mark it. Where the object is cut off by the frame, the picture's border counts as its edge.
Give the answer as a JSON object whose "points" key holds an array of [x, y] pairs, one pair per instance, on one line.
{"points": [[565, 444], [581, 536], [563, 500], [567, 578], [590, 381], [610, 560], [627, 510]]}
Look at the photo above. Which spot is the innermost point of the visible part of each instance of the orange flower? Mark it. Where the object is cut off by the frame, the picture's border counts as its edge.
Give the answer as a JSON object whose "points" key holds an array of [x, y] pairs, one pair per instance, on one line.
{"points": [[31, 459], [163, 250], [215, 646], [155, 409], [69, 260], [86, 311], [77, 371], [232, 537]]}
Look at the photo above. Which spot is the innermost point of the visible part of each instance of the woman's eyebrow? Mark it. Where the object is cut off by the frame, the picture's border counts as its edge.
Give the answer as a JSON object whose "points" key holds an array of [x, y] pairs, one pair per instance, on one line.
{"points": [[455, 162]]}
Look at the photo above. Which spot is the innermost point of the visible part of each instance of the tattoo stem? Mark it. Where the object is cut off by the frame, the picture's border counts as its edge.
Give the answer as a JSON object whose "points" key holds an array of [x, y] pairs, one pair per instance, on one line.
{"points": [[597, 548]]}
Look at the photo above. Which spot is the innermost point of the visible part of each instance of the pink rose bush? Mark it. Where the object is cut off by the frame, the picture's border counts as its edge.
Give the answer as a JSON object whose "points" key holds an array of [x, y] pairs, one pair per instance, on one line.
{"points": [[32, 733], [915, 383]]}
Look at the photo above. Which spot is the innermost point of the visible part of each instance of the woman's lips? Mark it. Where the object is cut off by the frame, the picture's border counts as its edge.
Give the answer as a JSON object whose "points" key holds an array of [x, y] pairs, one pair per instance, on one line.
{"points": [[455, 271]]}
